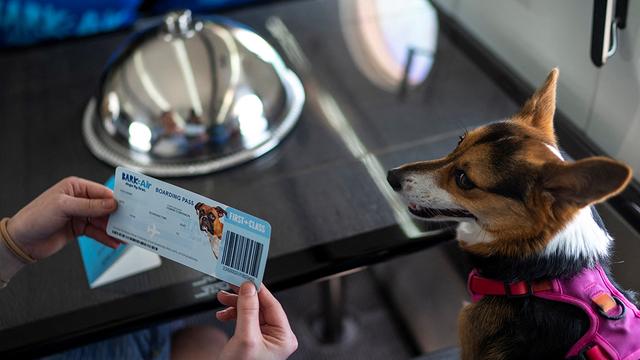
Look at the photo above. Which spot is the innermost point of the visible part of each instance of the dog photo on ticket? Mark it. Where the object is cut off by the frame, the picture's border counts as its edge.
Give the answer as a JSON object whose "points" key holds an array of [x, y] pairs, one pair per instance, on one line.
{"points": [[191, 229]]}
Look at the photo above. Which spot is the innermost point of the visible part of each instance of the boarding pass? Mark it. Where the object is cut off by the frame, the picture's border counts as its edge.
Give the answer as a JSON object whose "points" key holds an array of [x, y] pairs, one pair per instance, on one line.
{"points": [[191, 229]]}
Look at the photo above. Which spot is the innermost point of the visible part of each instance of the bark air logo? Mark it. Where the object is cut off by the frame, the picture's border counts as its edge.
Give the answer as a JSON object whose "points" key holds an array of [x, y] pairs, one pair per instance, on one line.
{"points": [[135, 182]]}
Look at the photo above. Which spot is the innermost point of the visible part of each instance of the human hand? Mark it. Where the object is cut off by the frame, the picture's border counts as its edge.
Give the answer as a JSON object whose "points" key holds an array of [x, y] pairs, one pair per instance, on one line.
{"points": [[70, 208], [262, 329]]}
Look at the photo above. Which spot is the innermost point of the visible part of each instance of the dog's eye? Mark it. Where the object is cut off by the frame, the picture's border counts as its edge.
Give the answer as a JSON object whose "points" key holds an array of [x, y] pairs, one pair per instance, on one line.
{"points": [[463, 181], [461, 138]]}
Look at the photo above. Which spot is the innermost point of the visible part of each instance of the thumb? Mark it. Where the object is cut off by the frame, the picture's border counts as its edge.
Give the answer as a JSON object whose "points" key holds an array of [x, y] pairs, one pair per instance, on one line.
{"points": [[82, 207], [248, 307]]}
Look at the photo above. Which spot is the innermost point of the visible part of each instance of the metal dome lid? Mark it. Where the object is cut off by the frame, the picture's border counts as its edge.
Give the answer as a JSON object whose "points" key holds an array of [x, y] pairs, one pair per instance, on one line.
{"points": [[192, 96]]}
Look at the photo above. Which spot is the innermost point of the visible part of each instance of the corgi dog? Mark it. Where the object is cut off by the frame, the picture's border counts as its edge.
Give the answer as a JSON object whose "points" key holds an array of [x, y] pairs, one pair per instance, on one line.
{"points": [[540, 252]]}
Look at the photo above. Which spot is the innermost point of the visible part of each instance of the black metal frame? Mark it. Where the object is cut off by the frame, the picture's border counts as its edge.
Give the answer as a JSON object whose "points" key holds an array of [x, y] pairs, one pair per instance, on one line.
{"points": [[599, 24]]}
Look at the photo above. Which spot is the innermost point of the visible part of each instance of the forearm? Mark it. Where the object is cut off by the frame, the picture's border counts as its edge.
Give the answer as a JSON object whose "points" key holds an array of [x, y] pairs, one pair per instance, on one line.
{"points": [[9, 263]]}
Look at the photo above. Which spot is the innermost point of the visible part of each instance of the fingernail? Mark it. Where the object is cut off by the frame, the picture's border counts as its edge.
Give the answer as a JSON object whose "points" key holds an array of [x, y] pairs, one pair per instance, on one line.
{"points": [[248, 289], [223, 311], [108, 203]]}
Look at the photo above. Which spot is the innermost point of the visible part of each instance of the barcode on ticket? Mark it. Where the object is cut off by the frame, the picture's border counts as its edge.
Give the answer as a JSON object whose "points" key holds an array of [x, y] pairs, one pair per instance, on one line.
{"points": [[242, 254]]}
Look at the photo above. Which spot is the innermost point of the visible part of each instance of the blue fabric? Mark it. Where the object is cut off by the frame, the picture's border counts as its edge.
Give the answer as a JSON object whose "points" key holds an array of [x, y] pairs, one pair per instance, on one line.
{"points": [[25, 22], [153, 343], [198, 6]]}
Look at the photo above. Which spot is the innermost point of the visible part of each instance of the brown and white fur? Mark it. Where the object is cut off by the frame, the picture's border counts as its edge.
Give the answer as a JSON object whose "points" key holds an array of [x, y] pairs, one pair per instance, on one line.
{"points": [[524, 214], [210, 220]]}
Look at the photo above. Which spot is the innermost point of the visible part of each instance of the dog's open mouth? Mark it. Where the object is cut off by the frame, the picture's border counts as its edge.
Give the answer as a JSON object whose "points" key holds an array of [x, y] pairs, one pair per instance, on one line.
{"points": [[429, 213]]}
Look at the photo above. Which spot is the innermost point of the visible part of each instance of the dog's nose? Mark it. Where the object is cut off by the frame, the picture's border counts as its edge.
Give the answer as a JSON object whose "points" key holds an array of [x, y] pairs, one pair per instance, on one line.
{"points": [[394, 178]]}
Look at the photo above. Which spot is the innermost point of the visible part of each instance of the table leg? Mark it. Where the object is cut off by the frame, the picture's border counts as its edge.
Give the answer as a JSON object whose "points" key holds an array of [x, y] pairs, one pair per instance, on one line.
{"points": [[332, 323]]}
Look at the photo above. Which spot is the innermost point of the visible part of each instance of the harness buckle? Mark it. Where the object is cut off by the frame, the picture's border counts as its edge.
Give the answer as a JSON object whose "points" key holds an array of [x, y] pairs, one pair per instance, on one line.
{"points": [[509, 293], [623, 310]]}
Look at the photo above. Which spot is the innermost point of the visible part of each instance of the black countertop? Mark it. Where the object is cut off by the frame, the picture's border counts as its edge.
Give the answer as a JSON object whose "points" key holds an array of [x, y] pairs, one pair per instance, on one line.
{"points": [[322, 186]]}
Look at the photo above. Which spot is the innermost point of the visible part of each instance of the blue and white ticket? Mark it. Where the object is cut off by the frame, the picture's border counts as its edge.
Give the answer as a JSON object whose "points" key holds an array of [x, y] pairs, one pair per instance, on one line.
{"points": [[191, 229]]}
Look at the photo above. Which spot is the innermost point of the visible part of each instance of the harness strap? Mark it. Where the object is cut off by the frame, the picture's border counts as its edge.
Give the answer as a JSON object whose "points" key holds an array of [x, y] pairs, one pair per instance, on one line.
{"points": [[595, 353], [479, 286]]}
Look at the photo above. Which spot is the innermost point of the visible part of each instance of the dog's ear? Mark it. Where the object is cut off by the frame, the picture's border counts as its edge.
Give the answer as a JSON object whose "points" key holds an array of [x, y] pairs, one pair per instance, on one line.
{"points": [[221, 211], [199, 205], [538, 111], [585, 181]]}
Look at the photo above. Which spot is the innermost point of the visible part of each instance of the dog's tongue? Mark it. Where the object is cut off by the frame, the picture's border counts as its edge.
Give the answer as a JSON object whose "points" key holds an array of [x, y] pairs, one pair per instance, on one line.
{"points": [[413, 206]]}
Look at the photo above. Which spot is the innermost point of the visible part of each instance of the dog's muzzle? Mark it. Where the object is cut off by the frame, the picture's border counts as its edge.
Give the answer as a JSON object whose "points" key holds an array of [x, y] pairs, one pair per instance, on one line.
{"points": [[205, 224]]}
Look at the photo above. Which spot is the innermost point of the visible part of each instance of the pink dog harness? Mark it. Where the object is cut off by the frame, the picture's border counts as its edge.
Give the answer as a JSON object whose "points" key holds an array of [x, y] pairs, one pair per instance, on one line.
{"points": [[614, 332]]}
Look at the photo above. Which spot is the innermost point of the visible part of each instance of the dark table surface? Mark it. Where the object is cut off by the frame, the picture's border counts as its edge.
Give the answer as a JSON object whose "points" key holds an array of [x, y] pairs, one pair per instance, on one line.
{"points": [[322, 190]]}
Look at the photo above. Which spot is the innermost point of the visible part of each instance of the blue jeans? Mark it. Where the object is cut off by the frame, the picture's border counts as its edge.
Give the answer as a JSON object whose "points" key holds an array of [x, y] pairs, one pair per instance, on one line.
{"points": [[152, 343]]}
